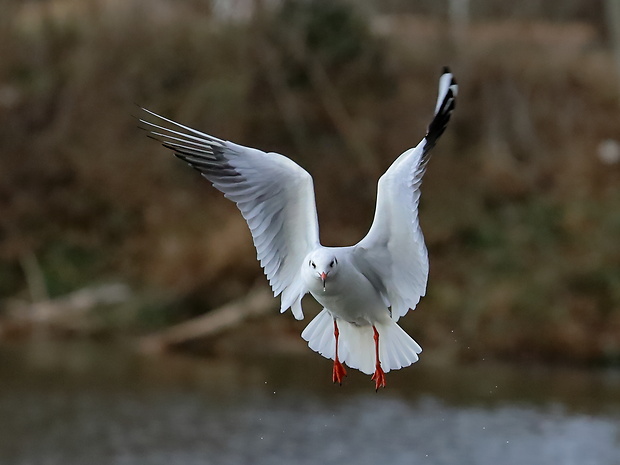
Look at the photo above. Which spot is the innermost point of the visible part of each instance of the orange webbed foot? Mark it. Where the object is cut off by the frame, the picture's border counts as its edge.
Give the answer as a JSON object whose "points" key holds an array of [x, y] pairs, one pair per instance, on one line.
{"points": [[379, 377], [339, 372]]}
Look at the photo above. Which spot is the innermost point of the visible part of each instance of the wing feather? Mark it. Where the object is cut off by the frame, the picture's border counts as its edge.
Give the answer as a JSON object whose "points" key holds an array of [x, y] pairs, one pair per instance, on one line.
{"points": [[393, 255], [273, 193]]}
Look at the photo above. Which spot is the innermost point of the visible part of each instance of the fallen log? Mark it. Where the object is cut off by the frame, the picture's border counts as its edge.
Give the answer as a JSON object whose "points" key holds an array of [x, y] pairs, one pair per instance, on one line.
{"points": [[70, 311], [255, 303]]}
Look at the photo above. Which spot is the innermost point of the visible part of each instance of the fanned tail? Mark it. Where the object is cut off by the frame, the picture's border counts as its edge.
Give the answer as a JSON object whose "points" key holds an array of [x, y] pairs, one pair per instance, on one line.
{"points": [[356, 344], [320, 334]]}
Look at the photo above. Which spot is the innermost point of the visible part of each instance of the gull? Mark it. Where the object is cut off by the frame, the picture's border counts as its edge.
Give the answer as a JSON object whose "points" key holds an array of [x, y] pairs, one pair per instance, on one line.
{"points": [[365, 288]]}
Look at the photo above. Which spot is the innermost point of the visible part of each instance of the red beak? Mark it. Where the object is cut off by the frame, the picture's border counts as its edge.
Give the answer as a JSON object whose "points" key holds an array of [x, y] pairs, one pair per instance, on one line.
{"points": [[323, 278]]}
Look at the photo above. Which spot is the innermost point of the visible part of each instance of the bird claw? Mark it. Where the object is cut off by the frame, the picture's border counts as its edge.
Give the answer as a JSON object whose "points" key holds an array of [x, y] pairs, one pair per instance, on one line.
{"points": [[339, 372], [378, 377]]}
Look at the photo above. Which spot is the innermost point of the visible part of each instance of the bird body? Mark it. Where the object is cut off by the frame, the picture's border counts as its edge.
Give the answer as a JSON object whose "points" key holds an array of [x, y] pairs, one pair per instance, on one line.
{"points": [[364, 288], [356, 307], [346, 292]]}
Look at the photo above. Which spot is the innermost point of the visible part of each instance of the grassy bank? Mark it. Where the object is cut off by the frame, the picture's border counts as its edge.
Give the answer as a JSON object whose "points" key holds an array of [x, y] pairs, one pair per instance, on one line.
{"points": [[520, 212]]}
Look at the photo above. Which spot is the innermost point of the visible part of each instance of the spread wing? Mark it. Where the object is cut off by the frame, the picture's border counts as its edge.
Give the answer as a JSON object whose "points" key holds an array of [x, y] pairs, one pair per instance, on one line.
{"points": [[274, 194], [393, 255]]}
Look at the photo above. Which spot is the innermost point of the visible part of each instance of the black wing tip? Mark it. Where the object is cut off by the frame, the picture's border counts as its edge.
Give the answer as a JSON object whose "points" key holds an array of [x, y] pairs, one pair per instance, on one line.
{"points": [[446, 70], [441, 119], [139, 113], [144, 112], [207, 159]]}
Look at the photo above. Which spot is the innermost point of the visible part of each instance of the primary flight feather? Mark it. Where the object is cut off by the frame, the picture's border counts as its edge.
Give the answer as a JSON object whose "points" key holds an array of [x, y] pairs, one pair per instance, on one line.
{"points": [[364, 288]]}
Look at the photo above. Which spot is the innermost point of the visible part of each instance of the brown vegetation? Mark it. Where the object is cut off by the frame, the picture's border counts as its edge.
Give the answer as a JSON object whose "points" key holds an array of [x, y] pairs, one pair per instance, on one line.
{"points": [[521, 215]]}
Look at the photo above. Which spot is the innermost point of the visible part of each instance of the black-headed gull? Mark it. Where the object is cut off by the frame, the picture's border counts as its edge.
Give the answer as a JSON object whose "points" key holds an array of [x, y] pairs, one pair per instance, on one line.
{"points": [[364, 288]]}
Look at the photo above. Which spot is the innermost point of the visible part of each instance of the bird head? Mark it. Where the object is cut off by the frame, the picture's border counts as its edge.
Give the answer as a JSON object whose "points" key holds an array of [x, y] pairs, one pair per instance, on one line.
{"points": [[322, 265]]}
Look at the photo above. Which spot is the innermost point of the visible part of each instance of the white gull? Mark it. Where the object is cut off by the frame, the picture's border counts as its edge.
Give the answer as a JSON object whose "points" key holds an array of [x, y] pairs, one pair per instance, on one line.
{"points": [[364, 288]]}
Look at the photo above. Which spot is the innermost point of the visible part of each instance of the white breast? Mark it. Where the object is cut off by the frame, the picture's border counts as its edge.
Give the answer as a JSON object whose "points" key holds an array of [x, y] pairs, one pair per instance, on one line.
{"points": [[352, 297]]}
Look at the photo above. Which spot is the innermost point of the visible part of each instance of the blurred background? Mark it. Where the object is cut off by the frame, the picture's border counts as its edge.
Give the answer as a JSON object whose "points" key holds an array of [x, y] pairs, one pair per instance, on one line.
{"points": [[106, 237]]}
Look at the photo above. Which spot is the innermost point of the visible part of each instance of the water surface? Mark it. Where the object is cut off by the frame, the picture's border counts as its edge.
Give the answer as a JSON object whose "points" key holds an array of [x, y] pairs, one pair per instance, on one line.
{"points": [[75, 403]]}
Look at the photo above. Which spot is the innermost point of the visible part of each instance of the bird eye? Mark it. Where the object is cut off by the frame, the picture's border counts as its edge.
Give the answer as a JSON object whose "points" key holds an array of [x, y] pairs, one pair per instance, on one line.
{"points": [[312, 264], [331, 264]]}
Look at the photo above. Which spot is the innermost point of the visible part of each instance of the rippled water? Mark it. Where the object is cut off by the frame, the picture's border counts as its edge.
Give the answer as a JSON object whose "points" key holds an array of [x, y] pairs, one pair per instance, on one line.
{"points": [[74, 404]]}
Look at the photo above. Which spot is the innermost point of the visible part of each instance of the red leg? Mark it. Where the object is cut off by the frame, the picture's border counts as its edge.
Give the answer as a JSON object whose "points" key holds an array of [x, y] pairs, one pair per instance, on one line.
{"points": [[379, 376], [339, 372]]}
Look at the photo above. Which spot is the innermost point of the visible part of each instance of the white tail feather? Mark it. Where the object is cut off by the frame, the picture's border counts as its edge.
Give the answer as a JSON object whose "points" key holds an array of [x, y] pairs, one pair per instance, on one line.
{"points": [[320, 334], [356, 347]]}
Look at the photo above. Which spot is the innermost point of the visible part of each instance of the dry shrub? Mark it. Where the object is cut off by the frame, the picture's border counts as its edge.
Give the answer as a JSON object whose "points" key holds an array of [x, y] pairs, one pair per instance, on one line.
{"points": [[520, 215]]}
